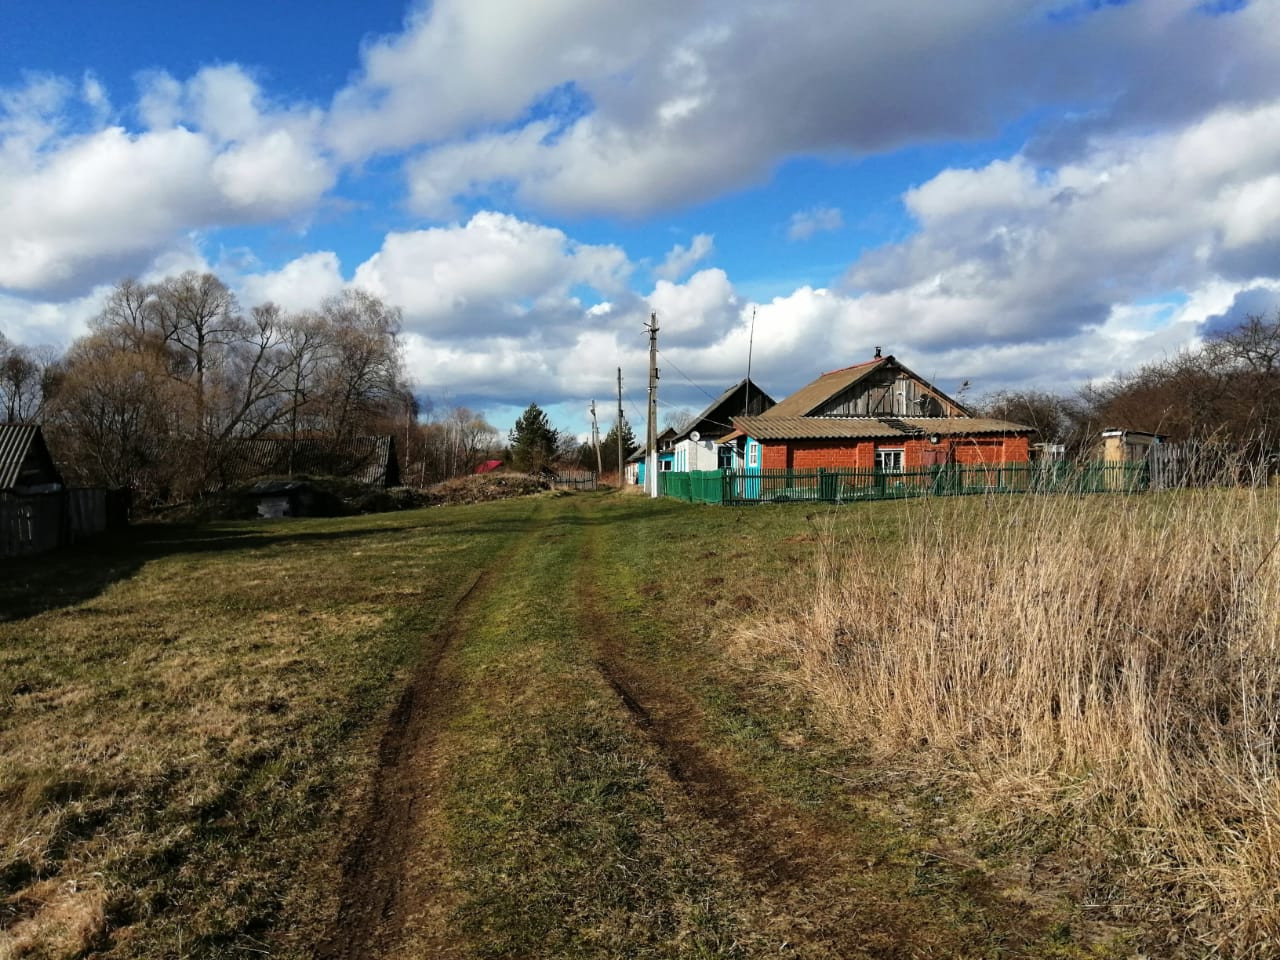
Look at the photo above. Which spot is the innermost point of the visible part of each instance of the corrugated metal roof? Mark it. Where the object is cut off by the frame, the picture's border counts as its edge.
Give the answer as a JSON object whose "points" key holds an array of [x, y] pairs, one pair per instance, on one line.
{"points": [[829, 384], [20, 443], [15, 442], [812, 396], [771, 427]]}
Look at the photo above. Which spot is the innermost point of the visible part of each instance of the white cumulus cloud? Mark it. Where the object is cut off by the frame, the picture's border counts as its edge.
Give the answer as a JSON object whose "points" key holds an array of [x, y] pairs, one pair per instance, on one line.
{"points": [[681, 259], [81, 206], [495, 273]]}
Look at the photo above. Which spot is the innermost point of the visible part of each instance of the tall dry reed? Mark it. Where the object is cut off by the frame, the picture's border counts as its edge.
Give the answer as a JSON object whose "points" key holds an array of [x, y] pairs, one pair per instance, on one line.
{"points": [[1112, 658]]}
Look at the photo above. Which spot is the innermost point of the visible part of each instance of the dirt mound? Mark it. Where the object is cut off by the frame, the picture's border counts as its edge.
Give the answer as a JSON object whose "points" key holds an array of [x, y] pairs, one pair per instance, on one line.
{"points": [[340, 496], [480, 489]]}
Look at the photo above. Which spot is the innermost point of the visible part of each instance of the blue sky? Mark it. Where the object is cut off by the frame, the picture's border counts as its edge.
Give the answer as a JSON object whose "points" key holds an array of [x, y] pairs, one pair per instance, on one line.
{"points": [[1011, 193]]}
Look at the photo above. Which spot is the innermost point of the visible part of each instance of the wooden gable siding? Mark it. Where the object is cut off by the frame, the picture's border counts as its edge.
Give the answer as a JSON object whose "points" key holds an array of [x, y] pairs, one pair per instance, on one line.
{"points": [[891, 392]]}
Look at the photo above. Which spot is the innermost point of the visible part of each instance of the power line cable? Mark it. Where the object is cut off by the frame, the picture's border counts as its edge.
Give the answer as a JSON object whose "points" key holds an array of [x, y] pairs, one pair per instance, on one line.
{"points": [[709, 396]]}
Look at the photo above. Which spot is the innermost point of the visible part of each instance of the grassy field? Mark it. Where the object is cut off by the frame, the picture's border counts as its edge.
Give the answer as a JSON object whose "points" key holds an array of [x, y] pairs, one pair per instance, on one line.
{"points": [[536, 728]]}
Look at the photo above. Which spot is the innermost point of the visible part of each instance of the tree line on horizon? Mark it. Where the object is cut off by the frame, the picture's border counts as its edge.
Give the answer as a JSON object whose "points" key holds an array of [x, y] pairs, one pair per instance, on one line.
{"points": [[1222, 396], [173, 375]]}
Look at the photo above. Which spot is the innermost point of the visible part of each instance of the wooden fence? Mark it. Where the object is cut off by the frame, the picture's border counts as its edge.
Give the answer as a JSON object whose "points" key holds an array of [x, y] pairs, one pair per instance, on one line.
{"points": [[847, 485], [573, 481], [46, 521]]}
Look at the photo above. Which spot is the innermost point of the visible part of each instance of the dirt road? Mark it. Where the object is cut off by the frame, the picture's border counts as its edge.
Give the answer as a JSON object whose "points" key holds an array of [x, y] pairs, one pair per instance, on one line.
{"points": [[577, 769]]}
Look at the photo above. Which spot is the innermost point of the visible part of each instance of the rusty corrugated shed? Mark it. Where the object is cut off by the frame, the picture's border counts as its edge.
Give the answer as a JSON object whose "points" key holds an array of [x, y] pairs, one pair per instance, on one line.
{"points": [[771, 427]]}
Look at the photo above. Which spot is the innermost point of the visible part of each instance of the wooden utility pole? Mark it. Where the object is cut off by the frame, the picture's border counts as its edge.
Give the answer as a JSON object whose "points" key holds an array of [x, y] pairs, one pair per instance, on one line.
{"points": [[595, 440], [619, 429], [651, 456]]}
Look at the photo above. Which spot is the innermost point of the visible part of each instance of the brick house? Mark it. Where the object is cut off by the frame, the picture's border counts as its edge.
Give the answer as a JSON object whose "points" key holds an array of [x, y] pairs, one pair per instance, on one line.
{"points": [[876, 415]]}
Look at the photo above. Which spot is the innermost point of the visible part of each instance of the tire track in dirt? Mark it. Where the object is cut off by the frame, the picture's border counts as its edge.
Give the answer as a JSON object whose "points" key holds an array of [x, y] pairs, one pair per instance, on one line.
{"points": [[781, 860], [385, 890], [715, 792], [795, 862]]}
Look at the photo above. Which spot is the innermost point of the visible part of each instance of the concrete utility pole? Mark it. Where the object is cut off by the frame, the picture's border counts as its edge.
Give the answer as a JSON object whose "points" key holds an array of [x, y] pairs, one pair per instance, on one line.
{"points": [[651, 457], [595, 440], [621, 473]]}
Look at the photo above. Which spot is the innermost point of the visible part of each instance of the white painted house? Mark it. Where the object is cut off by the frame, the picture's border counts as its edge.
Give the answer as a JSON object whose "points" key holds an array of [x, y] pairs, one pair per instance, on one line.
{"points": [[697, 446]]}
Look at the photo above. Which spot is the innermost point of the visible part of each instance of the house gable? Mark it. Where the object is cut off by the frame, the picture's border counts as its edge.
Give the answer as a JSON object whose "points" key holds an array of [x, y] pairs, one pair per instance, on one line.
{"points": [[889, 390], [744, 398], [876, 388]]}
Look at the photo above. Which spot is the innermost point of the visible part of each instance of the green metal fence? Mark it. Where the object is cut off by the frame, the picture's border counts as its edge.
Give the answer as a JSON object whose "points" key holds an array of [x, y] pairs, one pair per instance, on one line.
{"points": [[846, 485]]}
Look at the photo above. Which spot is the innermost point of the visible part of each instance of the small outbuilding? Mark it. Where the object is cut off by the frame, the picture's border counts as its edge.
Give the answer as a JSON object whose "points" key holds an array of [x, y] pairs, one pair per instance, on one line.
{"points": [[283, 498], [1128, 446]]}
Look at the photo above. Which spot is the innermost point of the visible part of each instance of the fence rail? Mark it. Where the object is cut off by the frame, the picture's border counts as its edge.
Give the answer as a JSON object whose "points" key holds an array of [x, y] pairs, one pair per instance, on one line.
{"points": [[574, 481], [847, 485]]}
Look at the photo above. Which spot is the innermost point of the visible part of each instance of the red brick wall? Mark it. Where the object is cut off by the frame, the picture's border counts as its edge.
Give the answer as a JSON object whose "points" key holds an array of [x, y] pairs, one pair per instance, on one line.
{"points": [[773, 456], [1017, 449], [813, 454], [1010, 449]]}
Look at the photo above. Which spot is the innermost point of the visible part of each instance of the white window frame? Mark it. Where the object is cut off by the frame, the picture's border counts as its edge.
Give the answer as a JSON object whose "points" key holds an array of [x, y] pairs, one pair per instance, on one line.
{"points": [[726, 457], [896, 457], [753, 455]]}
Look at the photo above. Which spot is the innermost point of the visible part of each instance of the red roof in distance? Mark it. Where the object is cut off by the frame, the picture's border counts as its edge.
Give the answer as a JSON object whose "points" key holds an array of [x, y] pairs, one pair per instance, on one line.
{"points": [[488, 466]]}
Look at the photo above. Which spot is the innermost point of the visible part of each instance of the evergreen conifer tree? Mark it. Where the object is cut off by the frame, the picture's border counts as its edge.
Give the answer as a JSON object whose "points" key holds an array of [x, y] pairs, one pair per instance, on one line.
{"points": [[532, 440], [609, 446]]}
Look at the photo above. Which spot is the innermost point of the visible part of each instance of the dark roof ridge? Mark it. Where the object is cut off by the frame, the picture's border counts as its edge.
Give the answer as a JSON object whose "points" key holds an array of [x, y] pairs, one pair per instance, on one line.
{"points": [[716, 403]]}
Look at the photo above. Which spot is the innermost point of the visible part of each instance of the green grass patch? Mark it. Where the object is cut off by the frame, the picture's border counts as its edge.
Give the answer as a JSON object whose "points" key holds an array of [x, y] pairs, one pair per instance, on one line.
{"points": [[561, 835]]}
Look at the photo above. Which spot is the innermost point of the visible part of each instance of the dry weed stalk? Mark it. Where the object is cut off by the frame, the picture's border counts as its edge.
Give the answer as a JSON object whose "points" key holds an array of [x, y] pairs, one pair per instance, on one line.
{"points": [[1114, 658]]}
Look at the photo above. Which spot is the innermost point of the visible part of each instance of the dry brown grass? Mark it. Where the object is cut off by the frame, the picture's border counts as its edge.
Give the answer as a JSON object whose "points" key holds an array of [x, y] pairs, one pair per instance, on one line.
{"points": [[1110, 665]]}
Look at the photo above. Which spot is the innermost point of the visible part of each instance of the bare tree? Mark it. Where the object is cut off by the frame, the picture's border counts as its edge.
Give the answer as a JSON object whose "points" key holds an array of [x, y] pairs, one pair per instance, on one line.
{"points": [[307, 341], [22, 382], [363, 380], [109, 416], [129, 315], [174, 377]]}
